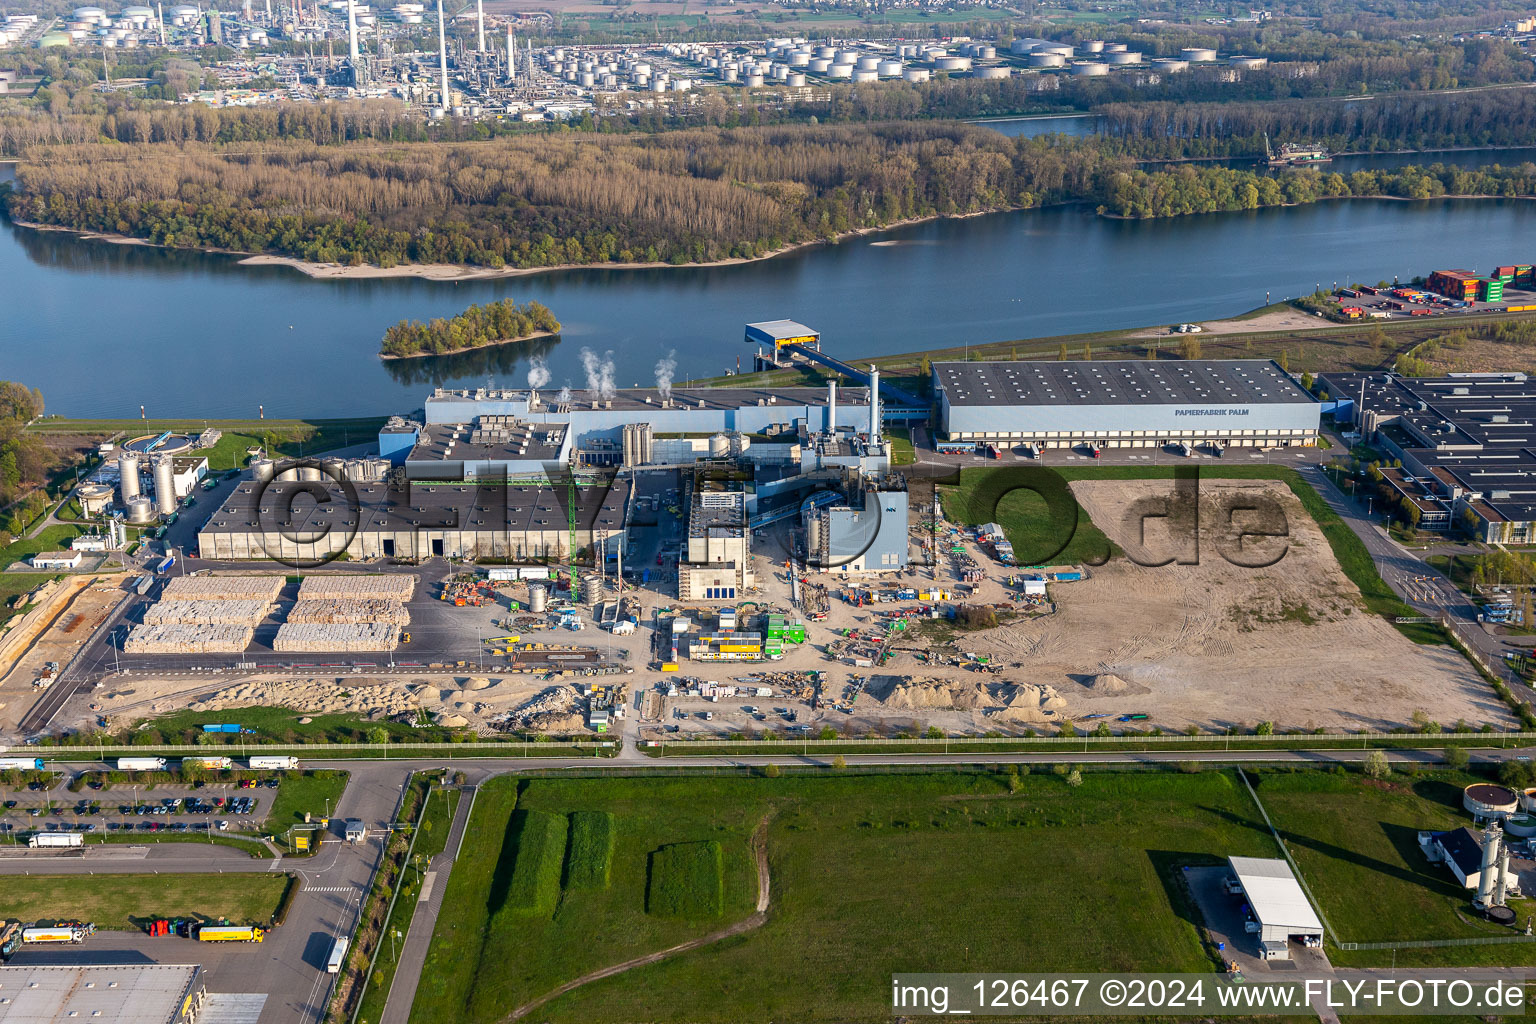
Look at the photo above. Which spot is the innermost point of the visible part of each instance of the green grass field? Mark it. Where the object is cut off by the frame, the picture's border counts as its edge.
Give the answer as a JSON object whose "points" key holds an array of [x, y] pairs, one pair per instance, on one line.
{"points": [[1357, 845], [687, 880], [281, 437], [589, 861], [534, 885], [52, 538], [125, 902], [298, 792], [870, 874], [14, 584]]}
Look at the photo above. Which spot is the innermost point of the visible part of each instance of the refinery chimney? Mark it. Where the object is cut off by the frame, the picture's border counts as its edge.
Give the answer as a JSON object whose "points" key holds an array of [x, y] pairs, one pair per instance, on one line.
{"points": [[480, 25], [352, 36], [831, 407], [442, 55], [874, 405], [160, 14]]}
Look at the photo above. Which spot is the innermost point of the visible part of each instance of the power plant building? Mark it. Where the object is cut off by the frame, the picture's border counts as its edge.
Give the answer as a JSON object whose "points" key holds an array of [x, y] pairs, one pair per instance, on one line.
{"points": [[1242, 403], [870, 536]]}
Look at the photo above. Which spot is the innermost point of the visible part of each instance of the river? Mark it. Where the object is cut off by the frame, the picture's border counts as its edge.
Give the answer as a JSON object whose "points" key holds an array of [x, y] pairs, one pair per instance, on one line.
{"points": [[104, 328]]}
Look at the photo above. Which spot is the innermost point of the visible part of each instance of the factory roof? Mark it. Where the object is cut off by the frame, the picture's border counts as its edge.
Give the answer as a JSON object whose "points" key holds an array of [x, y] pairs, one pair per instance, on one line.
{"points": [[292, 507], [634, 398], [1129, 382], [101, 993], [1463, 848], [489, 438], [1274, 894], [779, 330]]}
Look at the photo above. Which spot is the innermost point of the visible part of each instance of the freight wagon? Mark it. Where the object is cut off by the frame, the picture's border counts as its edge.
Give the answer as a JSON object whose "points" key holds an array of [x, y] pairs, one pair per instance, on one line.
{"points": [[30, 764]]}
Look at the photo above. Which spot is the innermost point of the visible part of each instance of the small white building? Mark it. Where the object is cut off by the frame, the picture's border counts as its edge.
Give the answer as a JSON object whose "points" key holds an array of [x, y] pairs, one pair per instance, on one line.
{"points": [[57, 560], [92, 542], [1278, 904]]}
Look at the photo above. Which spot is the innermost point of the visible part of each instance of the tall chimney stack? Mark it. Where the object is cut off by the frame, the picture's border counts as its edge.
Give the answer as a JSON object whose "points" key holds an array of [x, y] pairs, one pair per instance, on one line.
{"points": [[442, 55], [831, 406], [352, 36], [874, 405], [480, 25]]}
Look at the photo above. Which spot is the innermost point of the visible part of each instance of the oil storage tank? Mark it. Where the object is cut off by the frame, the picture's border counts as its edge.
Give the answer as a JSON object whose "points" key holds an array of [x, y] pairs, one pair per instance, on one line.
{"points": [[1197, 54]]}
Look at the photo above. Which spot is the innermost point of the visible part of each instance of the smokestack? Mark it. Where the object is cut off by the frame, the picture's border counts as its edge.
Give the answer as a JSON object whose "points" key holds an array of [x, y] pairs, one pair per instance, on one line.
{"points": [[511, 56], [1485, 877], [442, 55], [160, 13], [1503, 883], [352, 35], [831, 406], [480, 25], [874, 405]]}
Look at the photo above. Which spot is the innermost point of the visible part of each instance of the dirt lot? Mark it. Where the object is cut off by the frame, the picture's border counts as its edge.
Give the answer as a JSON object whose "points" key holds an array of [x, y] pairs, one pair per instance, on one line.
{"points": [[58, 633], [1215, 644]]}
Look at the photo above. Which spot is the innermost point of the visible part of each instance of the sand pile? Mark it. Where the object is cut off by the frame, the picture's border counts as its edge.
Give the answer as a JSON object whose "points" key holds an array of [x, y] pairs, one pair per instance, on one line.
{"points": [[1108, 684], [1010, 702], [477, 683], [316, 696], [1026, 702], [553, 710], [450, 720]]}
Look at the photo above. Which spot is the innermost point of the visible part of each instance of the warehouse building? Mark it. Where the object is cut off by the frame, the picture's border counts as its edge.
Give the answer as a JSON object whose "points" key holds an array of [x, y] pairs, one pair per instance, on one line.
{"points": [[141, 993], [309, 521], [1278, 904], [716, 561], [1466, 444], [1241, 403]]}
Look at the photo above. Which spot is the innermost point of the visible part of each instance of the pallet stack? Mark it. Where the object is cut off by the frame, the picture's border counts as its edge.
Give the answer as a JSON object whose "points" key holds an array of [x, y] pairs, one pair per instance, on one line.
{"points": [[187, 638], [359, 637]]}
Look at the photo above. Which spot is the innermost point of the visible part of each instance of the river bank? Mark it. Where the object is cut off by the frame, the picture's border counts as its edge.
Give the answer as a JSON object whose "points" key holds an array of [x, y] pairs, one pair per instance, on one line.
{"points": [[535, 336]]}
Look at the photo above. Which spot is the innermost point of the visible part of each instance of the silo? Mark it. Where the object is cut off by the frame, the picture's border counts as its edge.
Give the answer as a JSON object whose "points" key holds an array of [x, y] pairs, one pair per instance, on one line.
{"points": [[1092, 46], [728, 74], [312, 473], [890, 69], [381, 469], [799, 59], [1197, 53], [719, 445], [915, 75], [334, 468], [140, 510], [538, 598], [986, 52], [128, 476], [289, 472], [1123, 57], [591, 589], [262, 470], [1046, 60], [165, 485], [357, 470], [826, 53], [94, 498], [586, 80], [753, 81], [1089, 69]]}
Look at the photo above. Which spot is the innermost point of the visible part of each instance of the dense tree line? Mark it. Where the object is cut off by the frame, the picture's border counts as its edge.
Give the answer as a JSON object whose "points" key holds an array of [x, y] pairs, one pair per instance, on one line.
{"points": [[477, 326], [24, 460], [1499, 117], [684, 196], [1188, 189]]}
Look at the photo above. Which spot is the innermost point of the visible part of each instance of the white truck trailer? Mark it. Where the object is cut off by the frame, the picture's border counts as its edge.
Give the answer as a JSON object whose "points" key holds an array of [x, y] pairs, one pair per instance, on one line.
{"points": [[273, 763], [141, 764], [56, 840]]}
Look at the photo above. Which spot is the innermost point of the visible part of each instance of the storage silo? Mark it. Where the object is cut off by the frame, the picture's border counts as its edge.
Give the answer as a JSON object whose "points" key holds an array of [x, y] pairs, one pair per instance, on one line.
{"points": [[1090, 69], [840, 71], [799, 59], [591, 589], [128, 476], [866, 76], [1194, 54], [719, 445], [94, 498], [826, 53], [820, 66], [140, 510], [753, 81], [263, 470], [1046, 60], [311, 473], [165, 485], [289, 472], [795, 80]]}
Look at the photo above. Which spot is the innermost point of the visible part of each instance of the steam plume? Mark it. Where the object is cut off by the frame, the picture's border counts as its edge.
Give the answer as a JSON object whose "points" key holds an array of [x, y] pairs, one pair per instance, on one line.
{"points": [[665, 368]]}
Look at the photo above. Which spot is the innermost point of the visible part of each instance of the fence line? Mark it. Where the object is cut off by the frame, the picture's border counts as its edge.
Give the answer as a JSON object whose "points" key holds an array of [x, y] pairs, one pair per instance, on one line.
{"points": [[1489, 940], [1363, 738], [1295, 868]]}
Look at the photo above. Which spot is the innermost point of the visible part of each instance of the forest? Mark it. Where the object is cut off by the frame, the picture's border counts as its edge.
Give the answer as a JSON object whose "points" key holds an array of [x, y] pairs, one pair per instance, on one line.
{"points": [[476, 327], [24, 460]]}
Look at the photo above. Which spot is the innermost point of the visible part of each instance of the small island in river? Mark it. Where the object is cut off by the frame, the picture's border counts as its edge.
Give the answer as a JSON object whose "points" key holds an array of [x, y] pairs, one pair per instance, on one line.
{"points": [[495, 323]]}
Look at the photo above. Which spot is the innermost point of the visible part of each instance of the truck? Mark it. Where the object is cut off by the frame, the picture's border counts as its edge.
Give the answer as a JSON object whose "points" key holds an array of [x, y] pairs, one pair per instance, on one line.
{"points": [[230, 933], [164, 565], [142, 584], [29, 764], [10, 938], [71, 933], [208, 763], [56, 840], [141, 764], [338, 955], [274, 763]]}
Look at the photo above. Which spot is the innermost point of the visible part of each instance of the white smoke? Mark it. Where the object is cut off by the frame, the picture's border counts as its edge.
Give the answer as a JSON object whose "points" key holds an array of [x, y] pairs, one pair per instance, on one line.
{"points": [[564, 398], [599, 371], [538, 373], [665, 368]]}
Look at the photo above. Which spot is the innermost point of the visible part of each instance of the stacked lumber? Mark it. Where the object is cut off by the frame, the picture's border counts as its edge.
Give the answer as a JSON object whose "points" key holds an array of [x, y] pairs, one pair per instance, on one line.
{"points": [[223, 588], [397, 587], [339, 610], [338, 637], [207, 613], [187, 638]]}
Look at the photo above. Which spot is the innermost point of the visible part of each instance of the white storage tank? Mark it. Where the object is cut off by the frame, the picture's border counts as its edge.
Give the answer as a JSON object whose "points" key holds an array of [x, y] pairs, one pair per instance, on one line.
{"points": [[1115, 48], [890, 69], [867, 64], [1046, 60], [990, 73], [1092, 46], [719, 445], [587, 80], [140, 510], [538, 598], [262, 470], [1065, 51], [1195, 54], [1020, 47], [128, 476], [165, 485], [1123, 57], [753, 81], [826, 52], [866, 76], [1248, 63], [799, 59], [1170, 64], [985, 52], [94, 498], [915, 74], [1487, 800], [795, 80], [1090, 69], [952, 63], [728, 74], [840, 71], [820, 66]]}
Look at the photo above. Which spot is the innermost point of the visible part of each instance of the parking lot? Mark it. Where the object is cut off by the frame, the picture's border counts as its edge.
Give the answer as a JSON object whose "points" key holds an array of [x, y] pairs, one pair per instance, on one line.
{"points": [[126, 808]]}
